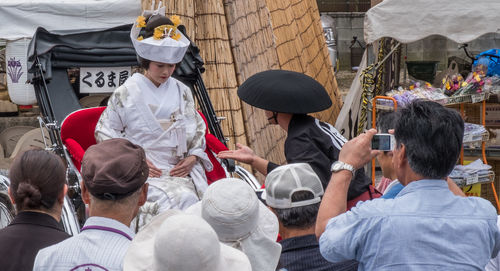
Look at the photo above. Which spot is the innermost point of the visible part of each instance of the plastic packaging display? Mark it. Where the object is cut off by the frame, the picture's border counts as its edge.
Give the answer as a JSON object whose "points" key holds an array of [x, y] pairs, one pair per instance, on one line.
{"points": [[417, 90], [474, 133], [475, 172], [474, 89], [492, 84]]}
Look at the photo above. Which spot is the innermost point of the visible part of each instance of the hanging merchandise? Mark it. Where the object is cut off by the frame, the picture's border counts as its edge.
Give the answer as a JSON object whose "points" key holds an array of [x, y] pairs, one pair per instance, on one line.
{"points": [[371, 84]]}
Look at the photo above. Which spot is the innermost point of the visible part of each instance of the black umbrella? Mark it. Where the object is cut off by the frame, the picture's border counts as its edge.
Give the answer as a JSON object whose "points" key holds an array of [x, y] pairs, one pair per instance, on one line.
{"points": [[285, 92]]}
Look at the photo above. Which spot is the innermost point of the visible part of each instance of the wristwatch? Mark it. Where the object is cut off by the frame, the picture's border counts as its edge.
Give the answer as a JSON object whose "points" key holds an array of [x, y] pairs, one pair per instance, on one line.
{"points": [[339, 165]]}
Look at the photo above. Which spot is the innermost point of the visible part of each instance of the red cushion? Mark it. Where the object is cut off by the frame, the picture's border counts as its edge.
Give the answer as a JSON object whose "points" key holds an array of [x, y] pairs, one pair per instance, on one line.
{"points": [[213, 145], [77, 131], [76, 151]]}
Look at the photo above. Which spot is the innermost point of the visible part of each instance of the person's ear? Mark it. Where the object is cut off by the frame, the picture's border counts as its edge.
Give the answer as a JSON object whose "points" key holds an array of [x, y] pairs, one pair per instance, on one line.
{"points": [[144, 195], [401, 155], [10, 196], [85, 193], [60, 197], [403, 152], [272, 210]]}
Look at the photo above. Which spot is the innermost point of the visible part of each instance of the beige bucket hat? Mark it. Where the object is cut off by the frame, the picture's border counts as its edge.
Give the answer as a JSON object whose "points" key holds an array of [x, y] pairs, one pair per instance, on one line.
{"points": [[242, 221], [174, 241]]}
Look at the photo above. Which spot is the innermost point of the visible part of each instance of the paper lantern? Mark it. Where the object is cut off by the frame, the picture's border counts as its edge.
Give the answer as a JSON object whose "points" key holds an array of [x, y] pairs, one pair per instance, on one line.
{"points": [[20, 92]]}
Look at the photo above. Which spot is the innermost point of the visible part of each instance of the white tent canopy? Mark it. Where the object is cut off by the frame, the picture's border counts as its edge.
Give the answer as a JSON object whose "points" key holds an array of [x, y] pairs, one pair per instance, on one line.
{"points": [[409, 21], [20, 18]]}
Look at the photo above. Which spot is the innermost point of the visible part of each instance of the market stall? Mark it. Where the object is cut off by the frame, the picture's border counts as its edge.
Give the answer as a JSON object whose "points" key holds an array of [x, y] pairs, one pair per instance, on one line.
{"points": [[393, 22]]}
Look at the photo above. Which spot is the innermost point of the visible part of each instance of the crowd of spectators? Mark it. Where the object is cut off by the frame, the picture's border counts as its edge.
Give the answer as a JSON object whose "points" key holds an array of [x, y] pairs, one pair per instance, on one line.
{"points": [[150, 206], [295, 224]]}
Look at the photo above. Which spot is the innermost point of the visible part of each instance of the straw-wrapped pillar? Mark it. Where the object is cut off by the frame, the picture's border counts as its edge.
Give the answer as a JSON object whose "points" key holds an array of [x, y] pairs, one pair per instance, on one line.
{"points": [[238, 38]]}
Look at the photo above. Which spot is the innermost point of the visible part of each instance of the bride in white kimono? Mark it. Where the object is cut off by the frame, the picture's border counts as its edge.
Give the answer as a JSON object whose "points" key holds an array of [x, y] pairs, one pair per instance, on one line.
{"points": [[158, 113]]}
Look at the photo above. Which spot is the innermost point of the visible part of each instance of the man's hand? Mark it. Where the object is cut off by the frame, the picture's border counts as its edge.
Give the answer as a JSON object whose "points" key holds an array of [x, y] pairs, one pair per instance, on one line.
{"points": [[358, 151], [184, 167], [245, 155], [154, 172], [242, 154]]}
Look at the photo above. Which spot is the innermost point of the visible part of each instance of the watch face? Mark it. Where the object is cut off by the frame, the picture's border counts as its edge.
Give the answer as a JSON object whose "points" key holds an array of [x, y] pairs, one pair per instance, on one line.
{"points": [[337, 166]]}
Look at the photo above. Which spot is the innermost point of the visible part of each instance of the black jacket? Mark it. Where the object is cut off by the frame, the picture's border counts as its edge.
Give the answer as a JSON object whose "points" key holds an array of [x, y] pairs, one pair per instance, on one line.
{"points": [[25, 235], [318, 144], [302, 254]]}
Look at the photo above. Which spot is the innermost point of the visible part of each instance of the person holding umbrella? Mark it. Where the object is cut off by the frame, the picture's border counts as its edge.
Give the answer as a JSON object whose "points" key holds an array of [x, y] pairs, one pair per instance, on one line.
{"points": [[287, 97]]}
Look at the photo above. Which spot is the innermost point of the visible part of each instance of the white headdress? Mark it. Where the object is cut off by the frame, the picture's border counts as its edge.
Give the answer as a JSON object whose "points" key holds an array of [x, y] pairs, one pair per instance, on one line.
{"points": [[167, 45]]}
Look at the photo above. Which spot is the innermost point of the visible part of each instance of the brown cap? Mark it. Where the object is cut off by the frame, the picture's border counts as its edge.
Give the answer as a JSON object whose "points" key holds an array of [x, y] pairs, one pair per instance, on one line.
{"points": [[114, 169]]}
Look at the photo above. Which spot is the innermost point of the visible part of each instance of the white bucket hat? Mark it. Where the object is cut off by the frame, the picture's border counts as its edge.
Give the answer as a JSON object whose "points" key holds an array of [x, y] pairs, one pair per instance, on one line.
{"points": [[175, 241], [165, 49], [242, 221]]}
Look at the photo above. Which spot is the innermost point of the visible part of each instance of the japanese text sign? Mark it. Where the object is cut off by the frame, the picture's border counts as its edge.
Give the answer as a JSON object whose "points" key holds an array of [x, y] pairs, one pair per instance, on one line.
{"points": [[103, 79]]}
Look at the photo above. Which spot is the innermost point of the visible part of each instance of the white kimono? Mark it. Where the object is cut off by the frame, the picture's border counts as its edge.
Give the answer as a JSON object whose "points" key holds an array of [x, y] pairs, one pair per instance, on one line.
{"points": [[163, 120]]}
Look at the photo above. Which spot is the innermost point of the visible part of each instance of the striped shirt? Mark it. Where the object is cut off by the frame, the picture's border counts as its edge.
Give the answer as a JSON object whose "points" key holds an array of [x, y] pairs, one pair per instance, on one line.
{"points": [[100, 246]]}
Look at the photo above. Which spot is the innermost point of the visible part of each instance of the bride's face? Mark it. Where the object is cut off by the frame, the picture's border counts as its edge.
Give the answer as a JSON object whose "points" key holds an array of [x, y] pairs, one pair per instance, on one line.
{"points": [[159, 72]]}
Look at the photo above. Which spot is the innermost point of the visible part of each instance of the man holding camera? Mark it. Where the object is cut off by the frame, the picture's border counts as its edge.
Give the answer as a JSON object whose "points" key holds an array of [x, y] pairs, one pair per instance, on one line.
{"points": [[425, 227]]}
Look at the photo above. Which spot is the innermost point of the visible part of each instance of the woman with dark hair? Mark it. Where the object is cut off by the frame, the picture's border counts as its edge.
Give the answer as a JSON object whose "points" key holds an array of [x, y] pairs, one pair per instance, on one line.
{"points": [[157, 112], [37, 188]]}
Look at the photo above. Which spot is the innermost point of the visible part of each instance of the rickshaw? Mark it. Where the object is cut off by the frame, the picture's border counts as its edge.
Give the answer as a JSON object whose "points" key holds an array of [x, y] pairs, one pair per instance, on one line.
{"points": [[59, 64]]}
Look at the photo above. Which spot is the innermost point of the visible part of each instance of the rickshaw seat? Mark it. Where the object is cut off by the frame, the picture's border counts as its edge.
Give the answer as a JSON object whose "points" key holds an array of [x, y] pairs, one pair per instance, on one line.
{"points": [[77, 132]]}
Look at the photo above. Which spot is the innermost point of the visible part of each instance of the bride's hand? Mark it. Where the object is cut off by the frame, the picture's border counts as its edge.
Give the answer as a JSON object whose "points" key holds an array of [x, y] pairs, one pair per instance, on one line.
{"points": [[184, 167], [154, 172]]}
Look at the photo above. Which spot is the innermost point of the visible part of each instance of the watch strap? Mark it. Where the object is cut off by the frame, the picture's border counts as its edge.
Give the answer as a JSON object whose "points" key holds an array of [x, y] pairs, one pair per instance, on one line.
{"points": [[339, 165]]}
